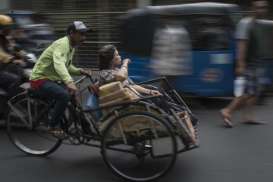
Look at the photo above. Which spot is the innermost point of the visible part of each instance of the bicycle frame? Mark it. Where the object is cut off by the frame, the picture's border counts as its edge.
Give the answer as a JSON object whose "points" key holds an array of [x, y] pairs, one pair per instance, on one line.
{"points": [[74, 123]]}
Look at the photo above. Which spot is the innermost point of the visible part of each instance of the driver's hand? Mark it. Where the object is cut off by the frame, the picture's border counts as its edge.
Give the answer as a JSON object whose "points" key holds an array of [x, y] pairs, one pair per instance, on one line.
{"points": [[72, 88], [85, 72]]}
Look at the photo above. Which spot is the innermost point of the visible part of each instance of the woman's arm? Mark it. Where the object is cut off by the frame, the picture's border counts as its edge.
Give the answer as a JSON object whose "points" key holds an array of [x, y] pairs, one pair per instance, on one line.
{"points": [[143, 90], [122, 74]]}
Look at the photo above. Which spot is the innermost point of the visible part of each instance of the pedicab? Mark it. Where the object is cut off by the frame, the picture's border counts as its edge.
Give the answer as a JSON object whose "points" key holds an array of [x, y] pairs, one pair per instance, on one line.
{"points": [[138, 138]]}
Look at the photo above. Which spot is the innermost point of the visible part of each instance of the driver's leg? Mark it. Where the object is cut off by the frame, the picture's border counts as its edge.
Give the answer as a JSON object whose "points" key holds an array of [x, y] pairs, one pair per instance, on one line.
{"points": [[60, 95]]}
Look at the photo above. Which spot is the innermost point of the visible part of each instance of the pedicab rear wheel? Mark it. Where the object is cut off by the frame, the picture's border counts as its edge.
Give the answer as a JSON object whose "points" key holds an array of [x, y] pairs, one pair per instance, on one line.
{"points": [[27, 126], [139, 146]]}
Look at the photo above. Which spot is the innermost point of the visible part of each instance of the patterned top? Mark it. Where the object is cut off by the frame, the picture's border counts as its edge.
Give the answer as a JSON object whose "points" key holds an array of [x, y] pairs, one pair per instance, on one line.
{"points": [[107, 76]]}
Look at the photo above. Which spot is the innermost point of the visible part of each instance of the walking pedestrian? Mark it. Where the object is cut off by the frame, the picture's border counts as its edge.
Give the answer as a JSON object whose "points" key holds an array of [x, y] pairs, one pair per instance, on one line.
{"points": [[249, 64]]}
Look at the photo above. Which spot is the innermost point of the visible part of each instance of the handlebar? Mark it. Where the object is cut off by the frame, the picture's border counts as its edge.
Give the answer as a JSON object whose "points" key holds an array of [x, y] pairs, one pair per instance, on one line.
{"points": [[81, 79]]}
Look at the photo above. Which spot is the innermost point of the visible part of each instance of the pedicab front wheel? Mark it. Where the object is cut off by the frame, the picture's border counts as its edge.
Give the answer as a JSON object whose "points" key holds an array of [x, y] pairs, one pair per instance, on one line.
{"points": [[139, 146]]}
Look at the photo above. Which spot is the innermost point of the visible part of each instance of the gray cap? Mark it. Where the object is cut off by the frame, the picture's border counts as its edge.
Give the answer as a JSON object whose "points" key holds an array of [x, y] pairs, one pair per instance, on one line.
{"points": [[78, 26]]}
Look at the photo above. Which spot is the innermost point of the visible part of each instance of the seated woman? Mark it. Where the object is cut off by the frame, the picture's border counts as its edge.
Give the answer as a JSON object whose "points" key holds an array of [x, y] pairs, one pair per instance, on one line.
{"points": [[112, 69]]}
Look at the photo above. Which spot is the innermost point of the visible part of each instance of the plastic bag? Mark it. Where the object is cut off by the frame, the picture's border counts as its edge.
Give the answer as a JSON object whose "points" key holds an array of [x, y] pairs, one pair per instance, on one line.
{"points": [[239, 86], [93, 103]]}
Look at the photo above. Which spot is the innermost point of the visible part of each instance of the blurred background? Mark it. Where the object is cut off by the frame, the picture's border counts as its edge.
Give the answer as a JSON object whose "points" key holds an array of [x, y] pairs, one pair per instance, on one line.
{"points": [[99, 14], [132, 27]]}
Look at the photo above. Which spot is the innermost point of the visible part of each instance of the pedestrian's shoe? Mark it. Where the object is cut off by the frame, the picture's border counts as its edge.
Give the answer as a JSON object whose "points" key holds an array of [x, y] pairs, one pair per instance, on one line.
{"points": [[227, 119]]}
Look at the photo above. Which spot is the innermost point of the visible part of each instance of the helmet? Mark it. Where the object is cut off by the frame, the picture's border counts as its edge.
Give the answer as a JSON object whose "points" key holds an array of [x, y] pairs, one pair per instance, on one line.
{"points": [[5, 20]]}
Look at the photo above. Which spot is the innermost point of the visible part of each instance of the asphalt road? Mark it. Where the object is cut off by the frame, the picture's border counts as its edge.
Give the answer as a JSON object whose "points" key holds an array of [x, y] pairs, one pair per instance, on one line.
{"points": [[241, 154]]}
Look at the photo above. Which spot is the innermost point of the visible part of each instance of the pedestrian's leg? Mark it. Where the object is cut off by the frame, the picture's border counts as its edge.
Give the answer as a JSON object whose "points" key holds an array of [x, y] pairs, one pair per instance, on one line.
{"points": [[258, 82], [249, 114], [228, 110]]}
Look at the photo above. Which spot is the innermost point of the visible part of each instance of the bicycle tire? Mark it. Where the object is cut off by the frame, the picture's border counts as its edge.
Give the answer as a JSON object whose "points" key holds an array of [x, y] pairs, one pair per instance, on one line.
{"points": [[17, 131], [147, 177]]}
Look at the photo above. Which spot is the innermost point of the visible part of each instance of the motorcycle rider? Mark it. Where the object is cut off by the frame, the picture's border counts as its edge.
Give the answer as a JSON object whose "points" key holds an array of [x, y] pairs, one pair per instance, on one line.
{"points": [[10, 59], [10, 62]]}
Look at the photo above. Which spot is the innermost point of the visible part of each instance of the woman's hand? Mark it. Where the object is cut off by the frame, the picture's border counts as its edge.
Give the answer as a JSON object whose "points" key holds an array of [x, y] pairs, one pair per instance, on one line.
{"points": [[126, 61], [154, 93]]}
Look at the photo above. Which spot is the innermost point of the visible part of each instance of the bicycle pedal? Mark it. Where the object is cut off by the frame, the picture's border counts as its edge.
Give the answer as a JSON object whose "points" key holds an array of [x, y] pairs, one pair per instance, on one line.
{"points": [[62, 136]]}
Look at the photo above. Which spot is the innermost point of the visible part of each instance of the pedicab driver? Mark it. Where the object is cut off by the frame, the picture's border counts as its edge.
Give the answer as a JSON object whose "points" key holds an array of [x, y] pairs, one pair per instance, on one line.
{"points": [[51, 75]]}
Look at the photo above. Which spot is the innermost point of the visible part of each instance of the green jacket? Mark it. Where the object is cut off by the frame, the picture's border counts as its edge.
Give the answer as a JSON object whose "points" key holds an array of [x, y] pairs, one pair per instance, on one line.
{"points": [[55, 63]]}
